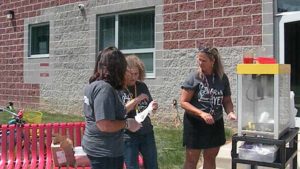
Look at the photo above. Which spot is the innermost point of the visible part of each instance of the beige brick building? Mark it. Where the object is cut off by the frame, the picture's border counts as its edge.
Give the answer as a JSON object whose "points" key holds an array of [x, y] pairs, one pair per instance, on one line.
{"points": [[48, 47]]}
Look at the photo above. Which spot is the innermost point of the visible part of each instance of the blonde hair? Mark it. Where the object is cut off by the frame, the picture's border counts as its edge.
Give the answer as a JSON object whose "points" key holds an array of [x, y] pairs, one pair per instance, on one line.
{"points": [[133, 61], [213, 54]]}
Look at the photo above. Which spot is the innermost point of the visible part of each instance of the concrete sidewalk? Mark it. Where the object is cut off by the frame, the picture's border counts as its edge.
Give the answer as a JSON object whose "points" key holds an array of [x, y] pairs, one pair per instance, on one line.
{"points": [[224, 158]]}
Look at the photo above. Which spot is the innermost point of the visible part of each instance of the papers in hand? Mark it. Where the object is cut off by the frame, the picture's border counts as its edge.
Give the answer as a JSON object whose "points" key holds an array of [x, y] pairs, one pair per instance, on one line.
{"points": [[140, 117]]}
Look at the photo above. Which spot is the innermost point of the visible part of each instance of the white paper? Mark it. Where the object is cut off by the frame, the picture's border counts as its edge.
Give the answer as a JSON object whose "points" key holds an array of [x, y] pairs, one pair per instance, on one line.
{"points": [[140, 117], [61, 158]]}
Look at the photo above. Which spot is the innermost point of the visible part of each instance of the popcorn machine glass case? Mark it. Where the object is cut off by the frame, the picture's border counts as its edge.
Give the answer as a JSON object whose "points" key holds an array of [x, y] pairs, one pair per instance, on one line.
{"points": [[263, 99]]}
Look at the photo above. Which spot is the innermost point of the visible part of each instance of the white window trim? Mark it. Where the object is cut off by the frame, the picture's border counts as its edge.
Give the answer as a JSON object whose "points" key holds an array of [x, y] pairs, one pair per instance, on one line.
{"points": [[286, 17], [129, 51], [39, 56], [29, 41], [117, 30], [146, 50]]}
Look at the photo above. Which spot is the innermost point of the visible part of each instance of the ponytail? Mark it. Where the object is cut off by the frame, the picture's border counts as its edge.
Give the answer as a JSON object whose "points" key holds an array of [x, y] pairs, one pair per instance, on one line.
{"points": [[218, 66]]}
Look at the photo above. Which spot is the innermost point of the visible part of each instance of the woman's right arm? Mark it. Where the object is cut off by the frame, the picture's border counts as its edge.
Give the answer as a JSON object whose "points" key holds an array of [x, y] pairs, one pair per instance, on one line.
{"points": [[110, 126], [185, 98]]}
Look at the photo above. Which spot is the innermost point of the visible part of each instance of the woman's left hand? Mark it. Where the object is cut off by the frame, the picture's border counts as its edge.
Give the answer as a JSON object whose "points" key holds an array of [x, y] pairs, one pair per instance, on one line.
{"points": [[154, 105], [231, 116]]}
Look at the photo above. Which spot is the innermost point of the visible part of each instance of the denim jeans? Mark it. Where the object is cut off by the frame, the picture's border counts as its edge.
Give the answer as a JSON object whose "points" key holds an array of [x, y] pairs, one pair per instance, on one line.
{"points": [[145, 144], [106, 162]]}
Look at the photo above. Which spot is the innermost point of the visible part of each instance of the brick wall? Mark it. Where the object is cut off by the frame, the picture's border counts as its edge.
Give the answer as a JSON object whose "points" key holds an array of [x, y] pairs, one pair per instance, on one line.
{"points": [[220, 23], [181, 26], [12, 86]]}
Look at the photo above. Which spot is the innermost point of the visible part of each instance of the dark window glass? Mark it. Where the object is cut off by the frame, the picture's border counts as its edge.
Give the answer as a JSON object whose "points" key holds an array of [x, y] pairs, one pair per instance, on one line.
{"points": [[288, 5], [131, 33], [292, 50], [136, 30], [147, 58], [107, 32], [40, 39]]}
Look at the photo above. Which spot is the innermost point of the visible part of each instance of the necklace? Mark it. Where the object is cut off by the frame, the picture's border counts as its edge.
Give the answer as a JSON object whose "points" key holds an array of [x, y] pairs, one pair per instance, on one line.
{"points": [[132, 92], [135, 95], [210, 94], [129, 93]]}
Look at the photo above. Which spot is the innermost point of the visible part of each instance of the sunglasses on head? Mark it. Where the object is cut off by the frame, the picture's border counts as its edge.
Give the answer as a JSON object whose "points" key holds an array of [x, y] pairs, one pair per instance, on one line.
{"points": [[203, 49]]}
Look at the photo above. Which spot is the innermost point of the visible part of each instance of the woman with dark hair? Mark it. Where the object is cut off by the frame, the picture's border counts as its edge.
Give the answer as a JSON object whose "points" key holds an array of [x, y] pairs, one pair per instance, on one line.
{"points": [[105, 113], [204, 94]]}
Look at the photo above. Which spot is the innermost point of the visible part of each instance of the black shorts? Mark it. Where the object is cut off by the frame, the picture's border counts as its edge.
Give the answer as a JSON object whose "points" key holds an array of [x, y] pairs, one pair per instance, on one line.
{"points": [[199, 135]]}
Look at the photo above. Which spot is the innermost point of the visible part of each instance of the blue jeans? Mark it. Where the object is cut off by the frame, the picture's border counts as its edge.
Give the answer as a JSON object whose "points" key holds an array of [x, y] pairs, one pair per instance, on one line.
{"points": [[106, 162], [145, 144]]}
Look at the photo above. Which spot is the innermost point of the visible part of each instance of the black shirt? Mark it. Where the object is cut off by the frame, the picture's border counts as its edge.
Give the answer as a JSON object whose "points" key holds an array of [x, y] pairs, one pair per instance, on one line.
{"points": [[209, 92]]}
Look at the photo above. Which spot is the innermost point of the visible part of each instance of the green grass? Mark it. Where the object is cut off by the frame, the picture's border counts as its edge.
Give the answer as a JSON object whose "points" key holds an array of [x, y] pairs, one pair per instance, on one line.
{"points": [[169, 147], [4, 117], [229, 132], [46, 118], [171, 153]]}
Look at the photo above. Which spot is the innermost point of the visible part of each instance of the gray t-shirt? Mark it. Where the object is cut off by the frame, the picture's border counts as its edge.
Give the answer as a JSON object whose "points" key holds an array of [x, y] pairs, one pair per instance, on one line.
{"points": [[101, 101], [209, 92]]}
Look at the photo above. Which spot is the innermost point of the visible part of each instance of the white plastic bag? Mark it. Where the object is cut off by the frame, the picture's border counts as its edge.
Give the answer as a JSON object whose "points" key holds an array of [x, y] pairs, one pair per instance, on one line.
{"points": [[293, 109]]}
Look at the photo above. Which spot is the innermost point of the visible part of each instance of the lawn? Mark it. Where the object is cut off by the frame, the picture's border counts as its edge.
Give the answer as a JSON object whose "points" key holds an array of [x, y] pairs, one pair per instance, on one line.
{"points": [[169, 147], [46, 117]]}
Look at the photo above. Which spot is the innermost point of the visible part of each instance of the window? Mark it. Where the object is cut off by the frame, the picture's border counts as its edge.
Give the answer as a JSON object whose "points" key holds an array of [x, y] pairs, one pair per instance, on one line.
{"points": [[288, 5], [132, 33], [39, 40]]}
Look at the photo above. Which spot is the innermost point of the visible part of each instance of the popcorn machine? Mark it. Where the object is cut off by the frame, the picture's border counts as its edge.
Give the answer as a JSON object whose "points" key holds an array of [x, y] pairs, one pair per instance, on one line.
{"points": [[263, 99]]}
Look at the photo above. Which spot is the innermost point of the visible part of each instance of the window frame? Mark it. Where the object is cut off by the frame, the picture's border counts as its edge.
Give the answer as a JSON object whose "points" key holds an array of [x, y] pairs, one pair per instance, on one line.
{"points": [[30, 40], [129, 51]]}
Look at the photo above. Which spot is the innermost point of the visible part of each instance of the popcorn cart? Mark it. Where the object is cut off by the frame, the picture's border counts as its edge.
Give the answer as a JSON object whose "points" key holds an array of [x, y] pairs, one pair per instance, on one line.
{"points": [[264, 118], [263, 99]]}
